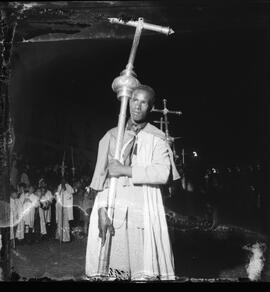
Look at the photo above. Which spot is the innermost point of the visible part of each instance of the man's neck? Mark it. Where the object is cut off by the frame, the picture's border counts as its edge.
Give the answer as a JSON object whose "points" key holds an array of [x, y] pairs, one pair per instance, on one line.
{"points": [[138, 123], [135, 126]]}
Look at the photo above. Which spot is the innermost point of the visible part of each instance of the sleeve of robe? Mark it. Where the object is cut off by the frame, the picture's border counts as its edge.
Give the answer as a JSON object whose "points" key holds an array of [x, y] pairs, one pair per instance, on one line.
{"points": [[100, 173], [158, 172]]}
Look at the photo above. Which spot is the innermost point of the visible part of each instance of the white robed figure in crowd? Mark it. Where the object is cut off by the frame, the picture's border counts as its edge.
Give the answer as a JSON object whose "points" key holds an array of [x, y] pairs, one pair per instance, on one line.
{"points": [[16, 219], [18, 203], [64, 210], [45, 201], [140, 248], [29, 204]]}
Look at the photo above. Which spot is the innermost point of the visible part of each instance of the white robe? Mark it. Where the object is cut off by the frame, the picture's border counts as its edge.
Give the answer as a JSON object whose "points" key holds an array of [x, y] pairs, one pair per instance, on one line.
{"points": [[64, 212], [142, 249], [29, 205], [45, 214], [16, 218]]}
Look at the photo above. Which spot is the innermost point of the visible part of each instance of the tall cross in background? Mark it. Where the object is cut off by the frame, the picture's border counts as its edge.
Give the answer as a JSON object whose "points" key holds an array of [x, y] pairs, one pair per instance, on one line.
{"points": [[63, 166], [161, 123], [165, 113], [73, 165]]}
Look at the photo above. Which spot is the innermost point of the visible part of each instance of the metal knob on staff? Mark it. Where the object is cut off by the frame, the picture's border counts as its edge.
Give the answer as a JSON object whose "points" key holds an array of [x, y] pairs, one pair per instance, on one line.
{"points": [[123, 86]]}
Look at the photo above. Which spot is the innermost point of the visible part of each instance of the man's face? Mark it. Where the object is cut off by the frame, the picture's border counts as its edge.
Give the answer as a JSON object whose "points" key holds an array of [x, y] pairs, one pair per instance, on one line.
{"points": [[139, 106], [21, 189], [14, 195]]}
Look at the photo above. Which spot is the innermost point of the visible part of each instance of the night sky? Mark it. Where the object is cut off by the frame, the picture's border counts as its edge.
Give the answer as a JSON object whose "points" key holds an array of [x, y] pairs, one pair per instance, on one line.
{"points": [[61, 93]]}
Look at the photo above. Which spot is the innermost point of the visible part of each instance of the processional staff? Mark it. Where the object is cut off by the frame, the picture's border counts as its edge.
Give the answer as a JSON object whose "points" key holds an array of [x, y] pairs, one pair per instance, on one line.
{"points": [[63, 165], [73, 166], [161, 123], [165, 113], [123, 86], [61, 196]]}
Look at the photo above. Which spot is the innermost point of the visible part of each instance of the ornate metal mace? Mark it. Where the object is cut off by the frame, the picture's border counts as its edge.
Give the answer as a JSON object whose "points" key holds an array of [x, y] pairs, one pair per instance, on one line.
{"points": [[123, 86]]}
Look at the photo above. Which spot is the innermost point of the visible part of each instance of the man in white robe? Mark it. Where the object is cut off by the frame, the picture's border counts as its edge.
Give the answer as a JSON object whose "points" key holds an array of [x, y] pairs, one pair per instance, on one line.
{"points": [[64, 211], [140, 248], [45, 202], [19, 206], [29, 204], [15, 206]]}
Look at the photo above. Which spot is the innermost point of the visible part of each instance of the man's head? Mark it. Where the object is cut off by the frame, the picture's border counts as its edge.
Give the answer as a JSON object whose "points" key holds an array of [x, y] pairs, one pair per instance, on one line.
{"points": [[31, 189], [22, 187], [63, 181], [42, 183], [141, 103], [43, 191], [13, 193]]}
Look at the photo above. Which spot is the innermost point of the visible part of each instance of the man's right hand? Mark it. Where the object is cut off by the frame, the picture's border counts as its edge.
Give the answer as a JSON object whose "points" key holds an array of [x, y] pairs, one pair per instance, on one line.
{"points": [[104, 224]]}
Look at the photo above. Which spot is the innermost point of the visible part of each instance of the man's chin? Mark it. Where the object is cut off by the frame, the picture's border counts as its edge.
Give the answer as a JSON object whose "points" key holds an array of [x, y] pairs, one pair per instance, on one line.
{"points": [[137, 119]]}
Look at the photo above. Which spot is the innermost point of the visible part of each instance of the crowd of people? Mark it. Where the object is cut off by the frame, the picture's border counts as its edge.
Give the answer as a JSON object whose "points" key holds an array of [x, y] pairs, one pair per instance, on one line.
{"points": [[45, 209]]}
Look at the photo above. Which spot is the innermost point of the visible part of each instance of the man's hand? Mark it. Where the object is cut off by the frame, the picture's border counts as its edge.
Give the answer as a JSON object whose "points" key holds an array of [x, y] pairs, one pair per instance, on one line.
{"points": [[116, 169], [104, 224]]}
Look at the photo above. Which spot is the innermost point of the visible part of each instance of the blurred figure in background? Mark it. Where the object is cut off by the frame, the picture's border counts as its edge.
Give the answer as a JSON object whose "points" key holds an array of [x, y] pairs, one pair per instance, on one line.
{"points": [[20, 227], [29, 204], [24, 178], [86, 204], [45, 200], [64, 210], [14, 215]]}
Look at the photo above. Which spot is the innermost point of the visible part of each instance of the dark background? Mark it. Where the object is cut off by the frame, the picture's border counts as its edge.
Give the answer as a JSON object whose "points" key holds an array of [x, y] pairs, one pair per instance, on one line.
{"points": [[61, 93]]}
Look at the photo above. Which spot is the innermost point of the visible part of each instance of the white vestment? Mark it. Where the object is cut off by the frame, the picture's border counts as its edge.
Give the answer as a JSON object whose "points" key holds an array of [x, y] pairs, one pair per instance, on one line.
{"points": [[45, 214], [141, 246], [14, 216], [17, 216], [29, 204], [64, 212]]}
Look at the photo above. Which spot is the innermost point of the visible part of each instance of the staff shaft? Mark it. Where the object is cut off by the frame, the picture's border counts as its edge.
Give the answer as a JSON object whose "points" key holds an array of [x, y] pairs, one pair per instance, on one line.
{"points": [[119, 142], [123, 90]]}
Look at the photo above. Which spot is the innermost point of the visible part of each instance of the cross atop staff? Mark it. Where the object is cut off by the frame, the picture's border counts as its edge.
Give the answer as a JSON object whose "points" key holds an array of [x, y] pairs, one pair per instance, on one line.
{"points": [[165, 112], [161, 123], [73, 165]]}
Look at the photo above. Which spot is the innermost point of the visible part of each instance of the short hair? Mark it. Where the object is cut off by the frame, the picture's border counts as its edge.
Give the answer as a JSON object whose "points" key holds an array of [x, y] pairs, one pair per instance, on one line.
{"points": [[149, 90], [22, 185], [12, 189]]}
